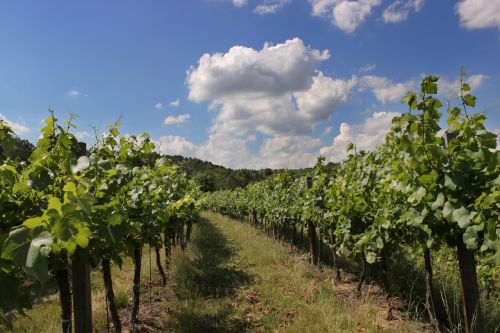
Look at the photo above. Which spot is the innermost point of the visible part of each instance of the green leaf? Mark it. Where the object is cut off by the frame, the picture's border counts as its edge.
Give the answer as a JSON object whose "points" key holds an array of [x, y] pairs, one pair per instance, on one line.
{"points": [[69, 187], [469, 100], [83, 200], [476, 156], [429, 85], [38, 178], [371, 257], [55, 204], [114, 219], [83, 236], [33, 222], [470, 236], [461, 216], [16, 246], [448, 182], [8, 173], [417, 195], [448, 210], [410, 99], [36, 263], [439, 202]]}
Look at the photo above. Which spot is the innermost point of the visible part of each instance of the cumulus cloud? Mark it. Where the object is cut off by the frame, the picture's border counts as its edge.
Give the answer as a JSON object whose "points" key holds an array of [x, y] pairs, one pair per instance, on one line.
{"points": [[18, 128], [239, 3], [175, 145], [244, 71], [451, 88], [479, 14], [399, 10], [388, 91], [175, 104], [366, 135], [367, 68], [270, 6], [384, 89], [74, 93], [288, 152], [327, 131], [347, 15], [256, 90], [159, 106], [175, 120], [81, 135], [227, 149], [324, 95], [276, 91], [232, 151]]}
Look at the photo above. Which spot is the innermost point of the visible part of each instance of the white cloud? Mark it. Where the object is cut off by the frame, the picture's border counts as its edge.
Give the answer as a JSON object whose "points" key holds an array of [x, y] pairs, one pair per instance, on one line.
{"points": [[227, 149], [242, 70], [276, 91], [367, 68], [366, 135], [327, 131], [270, 6], [159, 106], [324, 96], [399, 10], [479, 14], [255, 90], [175, 104], [74, 93], [450, 89], [288, 152], [179, 119], [347, 15], [82, 135], [322, 7], [18, 128], [239, 3], [388, 91], [384, 89], [175, 145]]}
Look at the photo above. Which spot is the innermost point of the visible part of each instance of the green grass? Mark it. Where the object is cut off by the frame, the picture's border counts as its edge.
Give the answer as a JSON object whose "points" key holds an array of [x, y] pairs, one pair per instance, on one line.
{"points": [[233, 278], [296, 296]]}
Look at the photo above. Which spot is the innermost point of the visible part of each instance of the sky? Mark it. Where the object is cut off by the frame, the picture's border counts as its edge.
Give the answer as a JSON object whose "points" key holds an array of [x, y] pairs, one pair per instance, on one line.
{"points": [[242, 83]]}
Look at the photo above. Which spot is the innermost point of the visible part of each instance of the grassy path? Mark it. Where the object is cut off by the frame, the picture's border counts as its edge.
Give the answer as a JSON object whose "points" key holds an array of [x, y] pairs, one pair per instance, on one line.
{"points": [[286, 294], [233, 278]]}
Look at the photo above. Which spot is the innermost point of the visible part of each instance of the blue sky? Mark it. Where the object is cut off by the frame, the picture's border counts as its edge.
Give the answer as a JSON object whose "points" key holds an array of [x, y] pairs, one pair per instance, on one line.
{"points": [[256, 83]]}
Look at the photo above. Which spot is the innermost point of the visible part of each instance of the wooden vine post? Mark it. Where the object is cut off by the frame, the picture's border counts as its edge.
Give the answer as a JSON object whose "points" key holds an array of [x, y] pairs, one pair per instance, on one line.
{"points": [[473, 316], [311, 231], [82, 302]]}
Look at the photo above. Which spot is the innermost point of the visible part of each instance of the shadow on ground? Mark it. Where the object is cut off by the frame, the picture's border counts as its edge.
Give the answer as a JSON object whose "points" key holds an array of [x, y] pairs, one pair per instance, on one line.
{"points": [[206, 278]]}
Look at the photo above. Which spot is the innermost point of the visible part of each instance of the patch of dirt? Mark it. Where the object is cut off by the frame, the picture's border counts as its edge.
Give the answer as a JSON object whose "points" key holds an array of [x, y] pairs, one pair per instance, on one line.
{"points": [[248, 301], [152, 311]]}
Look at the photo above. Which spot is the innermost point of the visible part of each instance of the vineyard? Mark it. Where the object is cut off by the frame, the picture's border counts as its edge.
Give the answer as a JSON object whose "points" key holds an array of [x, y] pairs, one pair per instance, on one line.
{"points": [[70, 211], [419, 191]]}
